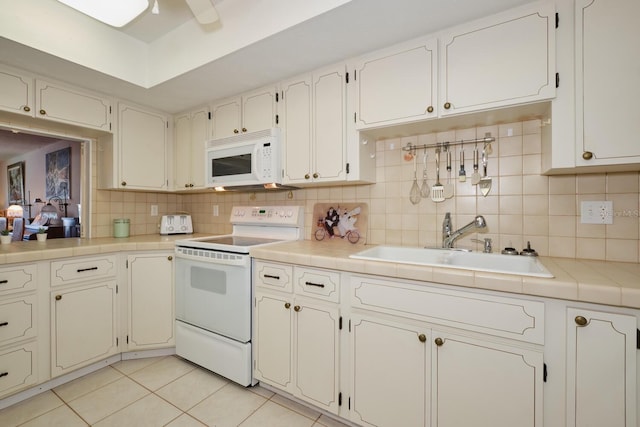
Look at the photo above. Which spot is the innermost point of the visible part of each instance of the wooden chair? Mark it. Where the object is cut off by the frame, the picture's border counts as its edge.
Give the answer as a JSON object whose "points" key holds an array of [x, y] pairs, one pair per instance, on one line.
{"points": [[18, 230]]}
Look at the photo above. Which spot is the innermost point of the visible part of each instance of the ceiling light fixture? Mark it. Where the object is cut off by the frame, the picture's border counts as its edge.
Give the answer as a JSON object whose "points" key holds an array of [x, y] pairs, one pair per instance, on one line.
{"points": [[116, 13]]}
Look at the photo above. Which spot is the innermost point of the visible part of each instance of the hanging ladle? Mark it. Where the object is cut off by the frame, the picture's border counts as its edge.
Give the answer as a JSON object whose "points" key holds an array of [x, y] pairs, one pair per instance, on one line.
{"points": [[414, 194], [424, 188]]}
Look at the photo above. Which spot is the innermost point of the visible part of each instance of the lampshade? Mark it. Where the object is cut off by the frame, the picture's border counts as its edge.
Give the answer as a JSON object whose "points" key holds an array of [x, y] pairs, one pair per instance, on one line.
{"points": [[15, 211], [116, 13]]}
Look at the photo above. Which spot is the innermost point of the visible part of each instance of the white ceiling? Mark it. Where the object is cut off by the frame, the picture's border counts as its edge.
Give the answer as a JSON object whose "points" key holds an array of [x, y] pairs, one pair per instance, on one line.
{"points": [[346, 31]]}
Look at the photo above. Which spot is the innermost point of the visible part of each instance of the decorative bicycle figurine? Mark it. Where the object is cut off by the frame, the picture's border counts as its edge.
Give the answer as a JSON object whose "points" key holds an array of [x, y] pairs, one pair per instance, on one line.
{"points": [[343, 221]]}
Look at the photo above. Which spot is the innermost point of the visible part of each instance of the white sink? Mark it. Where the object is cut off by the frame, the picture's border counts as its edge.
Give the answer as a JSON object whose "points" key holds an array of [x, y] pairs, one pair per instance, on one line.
{"points": [[476, 261]]}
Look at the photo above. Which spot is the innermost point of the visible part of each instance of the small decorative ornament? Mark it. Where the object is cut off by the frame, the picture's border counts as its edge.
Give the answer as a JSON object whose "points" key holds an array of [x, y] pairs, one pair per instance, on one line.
{"points": [[5, 238], [41, 235]]}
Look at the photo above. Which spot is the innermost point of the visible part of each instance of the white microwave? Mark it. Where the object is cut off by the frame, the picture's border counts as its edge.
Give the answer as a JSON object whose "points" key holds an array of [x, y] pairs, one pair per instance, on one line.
{"points": [[247, 160]]}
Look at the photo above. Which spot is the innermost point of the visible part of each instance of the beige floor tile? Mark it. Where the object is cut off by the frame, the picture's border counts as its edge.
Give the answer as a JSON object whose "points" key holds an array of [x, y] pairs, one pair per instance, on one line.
{"points": [[190, 389], [105, 401], [297, 407], [29, 409], [62, 416], [261, 391], [227, 407], [150, 411], [162, 373], [328, 422], [273, 415], [130, 366], [86, 384], [185, 420]]}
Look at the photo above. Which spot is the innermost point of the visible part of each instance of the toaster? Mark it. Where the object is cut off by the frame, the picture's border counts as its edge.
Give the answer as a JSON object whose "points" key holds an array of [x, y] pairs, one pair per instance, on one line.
{"points": [[176, 224]]}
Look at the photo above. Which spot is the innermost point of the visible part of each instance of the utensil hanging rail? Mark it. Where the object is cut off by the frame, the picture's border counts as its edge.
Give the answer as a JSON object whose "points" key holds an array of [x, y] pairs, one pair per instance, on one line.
{"points": [[486, 141]]}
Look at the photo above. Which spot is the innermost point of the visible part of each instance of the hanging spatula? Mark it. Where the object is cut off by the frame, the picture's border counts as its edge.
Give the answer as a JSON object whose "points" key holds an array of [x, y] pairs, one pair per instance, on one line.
{"points": [[437, 191], [485, 181]]}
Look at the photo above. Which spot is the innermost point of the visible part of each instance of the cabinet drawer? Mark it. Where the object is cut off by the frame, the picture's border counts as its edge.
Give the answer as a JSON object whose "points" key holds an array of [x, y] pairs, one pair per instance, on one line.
{"points": [[500, 316], [17, 368], [17, 278], [17, 319], [274, 276], [317, 283], [75, 270]]}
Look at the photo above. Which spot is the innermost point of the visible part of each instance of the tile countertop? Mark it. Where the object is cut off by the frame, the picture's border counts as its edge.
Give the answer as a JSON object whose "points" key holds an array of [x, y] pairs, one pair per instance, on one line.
{"points": [[31, 250], [601, 282]]}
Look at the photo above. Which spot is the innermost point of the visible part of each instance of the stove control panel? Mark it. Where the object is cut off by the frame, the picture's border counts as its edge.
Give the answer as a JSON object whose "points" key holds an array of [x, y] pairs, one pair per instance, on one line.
{"points": [[272, 215]]}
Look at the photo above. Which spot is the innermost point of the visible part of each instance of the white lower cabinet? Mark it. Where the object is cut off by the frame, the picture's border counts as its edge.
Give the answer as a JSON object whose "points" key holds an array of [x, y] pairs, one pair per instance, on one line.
{"points": [[601, 369], [151, 305], [296, 341], [477, 382], [83, 326], [390, 372]]}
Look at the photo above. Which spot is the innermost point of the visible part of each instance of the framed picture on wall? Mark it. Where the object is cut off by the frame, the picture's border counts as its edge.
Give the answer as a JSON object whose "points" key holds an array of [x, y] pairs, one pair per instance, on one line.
{"points": [[15, 181], [58, 174]]}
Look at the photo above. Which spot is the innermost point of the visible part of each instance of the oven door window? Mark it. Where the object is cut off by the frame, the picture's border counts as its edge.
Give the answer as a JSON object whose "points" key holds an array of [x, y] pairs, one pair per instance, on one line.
{"points": [[214, 297]]}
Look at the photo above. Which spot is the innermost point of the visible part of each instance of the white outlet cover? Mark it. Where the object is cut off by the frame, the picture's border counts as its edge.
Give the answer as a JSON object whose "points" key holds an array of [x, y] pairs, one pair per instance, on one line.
{"points": [[598, 212]]}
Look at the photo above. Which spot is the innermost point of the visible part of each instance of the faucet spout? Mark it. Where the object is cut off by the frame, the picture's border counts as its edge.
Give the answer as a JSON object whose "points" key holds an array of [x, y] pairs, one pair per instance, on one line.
{"points": [[449, 237]]}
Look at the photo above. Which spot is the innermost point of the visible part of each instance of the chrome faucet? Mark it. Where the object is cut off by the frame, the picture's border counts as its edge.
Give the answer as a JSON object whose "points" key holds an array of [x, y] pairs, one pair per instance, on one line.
{"points": [[449, 236]]}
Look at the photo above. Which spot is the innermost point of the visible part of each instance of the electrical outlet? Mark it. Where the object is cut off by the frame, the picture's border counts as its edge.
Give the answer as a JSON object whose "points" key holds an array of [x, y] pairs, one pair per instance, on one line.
{"points": [[216, 210], [154, 210], [596, 212]]}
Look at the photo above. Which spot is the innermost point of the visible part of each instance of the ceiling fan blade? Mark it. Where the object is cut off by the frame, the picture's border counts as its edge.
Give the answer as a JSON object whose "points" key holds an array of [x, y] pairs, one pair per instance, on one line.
{"points": [[203, 10]]}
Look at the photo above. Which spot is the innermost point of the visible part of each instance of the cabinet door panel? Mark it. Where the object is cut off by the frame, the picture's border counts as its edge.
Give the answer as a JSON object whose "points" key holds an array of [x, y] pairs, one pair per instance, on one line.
{"points": [[397, 85], [83, 322], [151, 306], [182, 129], [143, 147], [296, 123], [273, 355], [601, 369], [258, 110], [226, 118], [499, 61], [17, 93], [316, 354], [71, 106], [390, 373], [480, 383], [329, 127], [607, 89], [199, 135]]}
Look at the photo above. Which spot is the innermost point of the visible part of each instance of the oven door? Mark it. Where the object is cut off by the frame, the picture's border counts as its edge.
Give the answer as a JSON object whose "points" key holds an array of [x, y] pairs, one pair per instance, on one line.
{"points": [[214, 293]]}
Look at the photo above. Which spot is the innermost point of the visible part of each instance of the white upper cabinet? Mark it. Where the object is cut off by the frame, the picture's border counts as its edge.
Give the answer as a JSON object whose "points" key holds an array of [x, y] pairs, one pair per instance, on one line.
{"points": [[396, 85], [314, 127], [142, 147], [16, 92], [191, 133], [72, 106], [503, 60], [250, 112], [607, 82]]}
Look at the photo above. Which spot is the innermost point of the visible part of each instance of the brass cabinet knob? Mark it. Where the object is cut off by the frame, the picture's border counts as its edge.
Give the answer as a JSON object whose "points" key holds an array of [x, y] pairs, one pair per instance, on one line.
{"points": [[447, 105], [58, 297], [587, 155], [244, 129], [236, 131], [186, 186], [581, 321], [43, 112], [26, 108], [315, 175], [429, 109], [307, 176], [297, 308], [439, 341], [422, 338], [190, 185], [123, 183], [170, 258], [287, 305]]}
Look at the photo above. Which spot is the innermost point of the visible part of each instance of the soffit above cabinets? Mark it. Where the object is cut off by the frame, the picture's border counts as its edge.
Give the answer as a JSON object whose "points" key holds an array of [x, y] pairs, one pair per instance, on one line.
{"points": [[172, 63]]}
